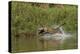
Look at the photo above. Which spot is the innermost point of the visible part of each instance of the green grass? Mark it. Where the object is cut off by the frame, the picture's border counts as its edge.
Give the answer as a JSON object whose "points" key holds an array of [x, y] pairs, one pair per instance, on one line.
{"points": [[27, 18]]}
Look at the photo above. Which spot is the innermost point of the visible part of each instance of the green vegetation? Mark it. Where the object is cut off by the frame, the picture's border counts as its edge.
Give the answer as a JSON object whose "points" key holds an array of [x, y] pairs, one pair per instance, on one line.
{"points": [[27, 18]]}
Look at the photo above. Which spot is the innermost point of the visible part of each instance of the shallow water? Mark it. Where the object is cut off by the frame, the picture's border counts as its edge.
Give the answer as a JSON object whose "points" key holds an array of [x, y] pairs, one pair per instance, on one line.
{"points": [[23, 44]]}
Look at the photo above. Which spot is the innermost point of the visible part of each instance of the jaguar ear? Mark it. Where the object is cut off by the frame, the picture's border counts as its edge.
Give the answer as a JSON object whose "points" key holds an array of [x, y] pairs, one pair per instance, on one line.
{"points": [[45, 29]]}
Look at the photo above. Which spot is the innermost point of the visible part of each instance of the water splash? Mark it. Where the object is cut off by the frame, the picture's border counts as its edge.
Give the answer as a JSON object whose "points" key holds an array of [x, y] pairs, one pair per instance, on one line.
{"points": [[56, 36], [64, 34]]}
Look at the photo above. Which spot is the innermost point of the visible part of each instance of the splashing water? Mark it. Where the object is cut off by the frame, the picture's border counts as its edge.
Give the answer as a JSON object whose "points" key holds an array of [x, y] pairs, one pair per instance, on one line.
{"points": [[64, 34], [56, 36]]}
